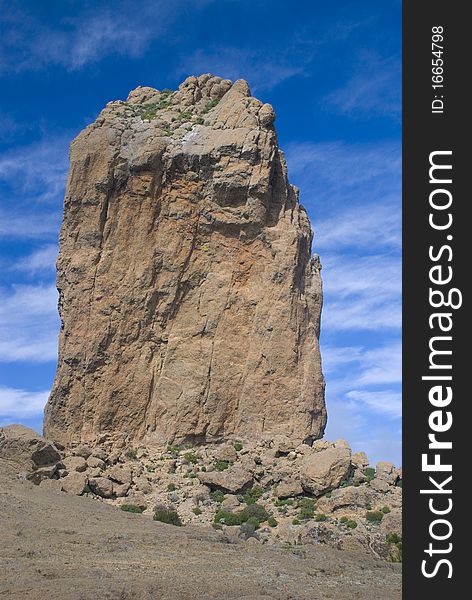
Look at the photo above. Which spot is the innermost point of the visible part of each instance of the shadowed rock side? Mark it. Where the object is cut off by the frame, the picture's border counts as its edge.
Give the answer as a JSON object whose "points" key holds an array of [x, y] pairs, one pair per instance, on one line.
{"points": [[189, 300]]}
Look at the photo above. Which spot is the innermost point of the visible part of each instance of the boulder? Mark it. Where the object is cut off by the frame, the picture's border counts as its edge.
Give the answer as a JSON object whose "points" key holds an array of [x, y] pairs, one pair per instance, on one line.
{"points": [[74, 483], [386, 471], [27, 450], [233, 480], [101, 486], [324, 470], [55, 485], [392, 522], [380, 485], [360, 460], [288, 488], [75, 463], [95, 463], [120, 474]]}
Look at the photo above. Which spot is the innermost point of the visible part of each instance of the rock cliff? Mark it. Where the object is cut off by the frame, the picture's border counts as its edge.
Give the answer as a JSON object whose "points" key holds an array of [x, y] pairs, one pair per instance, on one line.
{"points": [[189, 300]]}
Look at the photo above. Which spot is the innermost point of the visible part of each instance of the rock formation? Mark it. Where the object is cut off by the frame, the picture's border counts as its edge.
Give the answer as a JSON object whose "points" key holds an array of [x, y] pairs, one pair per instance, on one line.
{"points": [[189, 301]]}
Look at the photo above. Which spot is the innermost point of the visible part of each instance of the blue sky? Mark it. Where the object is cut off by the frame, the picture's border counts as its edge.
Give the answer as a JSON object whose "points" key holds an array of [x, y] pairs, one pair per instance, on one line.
{"points": [[333, 74]]}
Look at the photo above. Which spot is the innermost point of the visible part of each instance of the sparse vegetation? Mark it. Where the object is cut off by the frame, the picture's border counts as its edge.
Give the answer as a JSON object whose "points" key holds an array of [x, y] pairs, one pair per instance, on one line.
{"points": [[237, 445], [369, 473], [221, 465], [132, 508], [252, 495], [191, 458], [209, 105], [374, 516], [321, 517], [131, 454], [171, 487], [197, 511], [217, 496], [307, 508], [385, 510], [167, 515], [272, 521]]}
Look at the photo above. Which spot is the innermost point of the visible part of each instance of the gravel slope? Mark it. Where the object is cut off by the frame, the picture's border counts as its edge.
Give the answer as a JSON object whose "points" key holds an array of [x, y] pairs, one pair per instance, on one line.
{"points": [[56, 546]]}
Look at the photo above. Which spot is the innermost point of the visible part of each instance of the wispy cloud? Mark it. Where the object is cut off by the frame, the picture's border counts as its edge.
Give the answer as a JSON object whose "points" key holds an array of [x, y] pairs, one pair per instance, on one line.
{"points": [[375, 87], [37, 170], [87, 35], [40, 261], [16, 404], [385, 401], [28, 323], [262, 71]]}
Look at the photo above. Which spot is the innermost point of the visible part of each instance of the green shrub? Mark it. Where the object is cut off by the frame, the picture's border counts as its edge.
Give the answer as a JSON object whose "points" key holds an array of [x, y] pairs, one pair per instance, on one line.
{"points": [[197, 511], [272, 521], [254, 521], [221, 465], [174, 450], [132, 508], [131, 454], [237, 445], [393, 538], [369, 472], [171, 487], [344, 519], [191, 458], [209, 105], [254, 510], [295, 521], [385, 510], [185, 116], [321, 517], [328, 495], [374, 516], [228, 518], [252, 495], [307, 508], [217, 525], [399, 483], [351, 524], [167, 515], [217, 496], [284, 502]]}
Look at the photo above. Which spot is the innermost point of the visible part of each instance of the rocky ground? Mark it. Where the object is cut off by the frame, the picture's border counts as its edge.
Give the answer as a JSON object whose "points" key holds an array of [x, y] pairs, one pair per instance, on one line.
{"points": [[270, 494], [56, 545]]}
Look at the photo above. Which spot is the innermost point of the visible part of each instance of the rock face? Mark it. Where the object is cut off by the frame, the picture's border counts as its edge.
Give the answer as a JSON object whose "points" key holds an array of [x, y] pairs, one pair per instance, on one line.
{"points": [[189, 300]]}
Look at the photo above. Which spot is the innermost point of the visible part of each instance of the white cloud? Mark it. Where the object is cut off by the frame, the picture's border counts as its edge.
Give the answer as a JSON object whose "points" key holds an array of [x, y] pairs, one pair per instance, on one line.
{"points": [[40, 261], [375, 87], [16, 404], [91, 34], [262, 71], [388, 402], [28, 323], [37, 170]]}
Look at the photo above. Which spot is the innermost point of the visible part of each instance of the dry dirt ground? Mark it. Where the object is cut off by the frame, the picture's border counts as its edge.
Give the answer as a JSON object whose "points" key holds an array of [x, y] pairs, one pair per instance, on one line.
{"points": [[57, 546]]}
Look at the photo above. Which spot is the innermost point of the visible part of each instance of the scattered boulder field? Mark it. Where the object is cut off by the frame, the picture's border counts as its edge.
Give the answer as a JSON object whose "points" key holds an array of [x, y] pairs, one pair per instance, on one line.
{"points": [[269, 492]]}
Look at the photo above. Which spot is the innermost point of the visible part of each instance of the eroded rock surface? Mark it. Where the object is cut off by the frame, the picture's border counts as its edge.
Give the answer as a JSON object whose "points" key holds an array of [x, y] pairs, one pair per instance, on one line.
{"points": [[189, 300]]}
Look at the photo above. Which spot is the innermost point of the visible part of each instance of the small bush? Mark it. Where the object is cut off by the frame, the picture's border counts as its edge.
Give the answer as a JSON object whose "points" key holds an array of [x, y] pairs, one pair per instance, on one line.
{"points": [[217, 496], [328, 495], [238, 446], [385, 510], [284, 502], [399, 483], [197, 511], [209, 105], [253, 494], [167, 515], [321, 517], [132, 508], [217, 526], [272, 521], [254, 521], [191, 458], [171, 487], [254, 510], [307, 508], [393, 538], [374, 516], [295, 521], [228, 518], [344, 519], [221, 465], [351, 524], [174, 450], [131, 454], [369, 472]]}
